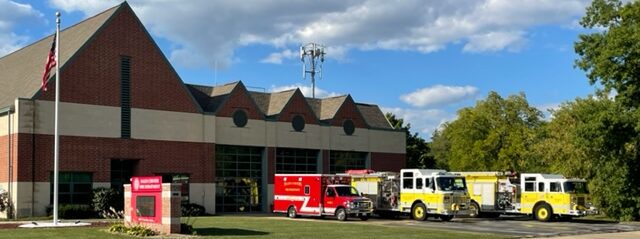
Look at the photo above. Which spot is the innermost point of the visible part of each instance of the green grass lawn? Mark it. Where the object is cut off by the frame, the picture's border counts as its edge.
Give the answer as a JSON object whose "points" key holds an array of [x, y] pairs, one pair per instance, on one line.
{"points": [[261, 227]]}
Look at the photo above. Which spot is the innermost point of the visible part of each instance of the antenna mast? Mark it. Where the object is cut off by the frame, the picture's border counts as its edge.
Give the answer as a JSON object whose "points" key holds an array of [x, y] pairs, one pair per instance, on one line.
{"points": [[312, 54]]}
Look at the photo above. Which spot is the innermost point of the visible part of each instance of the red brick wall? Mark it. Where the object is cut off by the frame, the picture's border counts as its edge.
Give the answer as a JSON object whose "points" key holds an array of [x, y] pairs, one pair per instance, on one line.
{"points": [[4, 156], [388, 161], [88, 154], [297, 106], [240, 99], [93, 76], [348, 110]]}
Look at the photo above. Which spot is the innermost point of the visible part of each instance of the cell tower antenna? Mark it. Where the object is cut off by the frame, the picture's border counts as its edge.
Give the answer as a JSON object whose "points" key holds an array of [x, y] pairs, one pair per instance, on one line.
{"points": [[312, 54]]}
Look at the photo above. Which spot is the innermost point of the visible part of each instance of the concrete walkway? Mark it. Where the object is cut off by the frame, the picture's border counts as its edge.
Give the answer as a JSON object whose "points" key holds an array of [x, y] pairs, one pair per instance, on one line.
{"points": [[617, 235]]}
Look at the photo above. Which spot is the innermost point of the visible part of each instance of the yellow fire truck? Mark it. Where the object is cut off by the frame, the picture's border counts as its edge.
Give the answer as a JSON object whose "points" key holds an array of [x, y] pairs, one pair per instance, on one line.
{"points": [[420, 192], [544, 196]]}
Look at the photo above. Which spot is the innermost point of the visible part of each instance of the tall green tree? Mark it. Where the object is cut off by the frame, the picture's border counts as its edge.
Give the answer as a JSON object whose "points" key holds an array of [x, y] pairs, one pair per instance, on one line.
{"points": [[595, 138], [418, 151], [610, 55], [495, 134]]}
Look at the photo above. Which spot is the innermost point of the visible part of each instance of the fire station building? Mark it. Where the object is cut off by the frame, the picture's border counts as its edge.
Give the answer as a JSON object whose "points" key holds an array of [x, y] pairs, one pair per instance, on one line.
{"points": [[124, 111]]}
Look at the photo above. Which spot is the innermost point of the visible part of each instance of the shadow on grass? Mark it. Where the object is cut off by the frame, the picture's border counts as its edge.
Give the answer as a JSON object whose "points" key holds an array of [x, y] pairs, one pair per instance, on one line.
{"points": [[212, 231]]}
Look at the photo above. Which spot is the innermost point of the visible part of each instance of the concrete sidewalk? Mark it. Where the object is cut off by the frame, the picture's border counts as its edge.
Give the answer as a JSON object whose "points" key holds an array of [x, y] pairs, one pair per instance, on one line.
{"points": [[616, 235]]}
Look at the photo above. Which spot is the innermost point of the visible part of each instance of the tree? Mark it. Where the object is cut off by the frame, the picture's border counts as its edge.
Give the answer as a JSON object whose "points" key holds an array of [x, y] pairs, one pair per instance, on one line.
{"points": [[496, 134], [611, 54], [418, 151], [595, 138]]}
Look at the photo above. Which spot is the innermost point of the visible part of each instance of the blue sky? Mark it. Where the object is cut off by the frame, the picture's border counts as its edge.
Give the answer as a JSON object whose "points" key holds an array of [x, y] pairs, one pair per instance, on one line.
{"points": [[422, 60]]}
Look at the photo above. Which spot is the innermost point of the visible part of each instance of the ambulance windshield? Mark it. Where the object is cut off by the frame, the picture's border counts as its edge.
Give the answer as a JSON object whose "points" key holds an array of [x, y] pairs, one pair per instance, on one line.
{"points": [[451, 183], [346, 191]]}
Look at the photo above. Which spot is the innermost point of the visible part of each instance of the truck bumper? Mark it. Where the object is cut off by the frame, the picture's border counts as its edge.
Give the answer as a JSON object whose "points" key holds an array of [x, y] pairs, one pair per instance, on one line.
{"points": [[360, 211], [586, 212]]}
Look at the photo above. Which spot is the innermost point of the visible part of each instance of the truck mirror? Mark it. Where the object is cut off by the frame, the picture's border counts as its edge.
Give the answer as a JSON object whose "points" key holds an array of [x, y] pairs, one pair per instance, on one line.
{"points": [[361, 194]]}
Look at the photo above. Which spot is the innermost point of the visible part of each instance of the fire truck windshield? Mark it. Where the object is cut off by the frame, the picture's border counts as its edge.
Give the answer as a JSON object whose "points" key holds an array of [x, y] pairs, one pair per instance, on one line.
{"points": [[451, 183], [575, 187], [346, 191]]}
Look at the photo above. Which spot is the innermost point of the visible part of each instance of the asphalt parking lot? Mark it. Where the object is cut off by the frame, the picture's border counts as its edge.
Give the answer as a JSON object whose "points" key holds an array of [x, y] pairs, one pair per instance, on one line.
{"points": [[516, 226]]}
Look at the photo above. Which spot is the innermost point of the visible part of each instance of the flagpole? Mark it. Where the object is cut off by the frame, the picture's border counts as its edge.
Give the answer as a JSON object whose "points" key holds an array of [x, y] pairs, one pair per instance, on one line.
{"points": [[56, 136]]}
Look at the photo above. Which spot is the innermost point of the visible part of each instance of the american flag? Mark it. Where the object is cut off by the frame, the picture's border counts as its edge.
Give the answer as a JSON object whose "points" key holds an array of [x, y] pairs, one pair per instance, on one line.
{"points": [[51, 62]]}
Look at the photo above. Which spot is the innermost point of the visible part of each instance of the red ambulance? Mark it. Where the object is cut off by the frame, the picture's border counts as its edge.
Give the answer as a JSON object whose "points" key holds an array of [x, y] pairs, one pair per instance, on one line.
{"points": [[319, 195]]}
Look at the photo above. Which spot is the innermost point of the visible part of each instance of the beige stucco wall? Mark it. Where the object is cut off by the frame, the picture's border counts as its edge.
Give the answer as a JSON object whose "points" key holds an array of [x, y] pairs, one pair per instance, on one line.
{"points": [[338, 140], [203, 194], [385, 141], [75, 119], [21, 197], [209, 128], [253, 134], [281, 134], [166, 125]]}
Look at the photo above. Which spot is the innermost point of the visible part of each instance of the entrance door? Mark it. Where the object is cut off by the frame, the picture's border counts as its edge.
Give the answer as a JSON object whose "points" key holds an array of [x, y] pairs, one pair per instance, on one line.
{"points": [[121, 171]]}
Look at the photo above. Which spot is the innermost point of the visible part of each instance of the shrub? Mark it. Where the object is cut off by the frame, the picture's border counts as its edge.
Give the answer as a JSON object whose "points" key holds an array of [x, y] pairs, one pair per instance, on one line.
{"points": [[140, 231], [107, 202], [137, 230], [4, 200], [193, 209], [187, 229], [72, 211]]}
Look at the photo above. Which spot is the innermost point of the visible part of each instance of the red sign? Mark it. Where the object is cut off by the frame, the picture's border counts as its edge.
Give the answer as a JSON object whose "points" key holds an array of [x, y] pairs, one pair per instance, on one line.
{"points": [[146, 184]]}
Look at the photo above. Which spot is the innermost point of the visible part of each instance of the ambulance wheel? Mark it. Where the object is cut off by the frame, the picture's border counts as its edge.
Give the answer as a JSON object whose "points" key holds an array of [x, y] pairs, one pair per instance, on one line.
{"points": [[543, 213], [475, 210], [341, 214], [419, 212], [446, 218], [364, 217], [291, 212]]}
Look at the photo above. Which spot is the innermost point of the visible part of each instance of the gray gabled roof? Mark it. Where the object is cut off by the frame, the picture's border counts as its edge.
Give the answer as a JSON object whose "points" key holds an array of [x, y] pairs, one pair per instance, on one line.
{"points": [[21, 71], [373, 116]]}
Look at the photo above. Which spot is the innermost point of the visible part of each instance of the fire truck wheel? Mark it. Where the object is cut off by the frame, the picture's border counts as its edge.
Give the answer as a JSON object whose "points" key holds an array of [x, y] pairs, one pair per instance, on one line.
{"points": [[291, 212], [341, 214], [364, 217], [419, 212], [446, 218], [543, 213], [475, 210]]}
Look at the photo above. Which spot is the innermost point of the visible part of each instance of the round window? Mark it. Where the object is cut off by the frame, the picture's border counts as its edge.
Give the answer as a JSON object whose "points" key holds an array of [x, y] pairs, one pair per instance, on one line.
{"points": [[240, 118], [348, 127], [297, 123]]}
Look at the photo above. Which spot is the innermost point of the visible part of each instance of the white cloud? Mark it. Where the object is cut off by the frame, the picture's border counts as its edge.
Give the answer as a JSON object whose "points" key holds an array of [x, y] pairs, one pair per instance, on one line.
{"points": [[439, 95], [306, 90], [276, 58], [10, 13], [423, 121], [204, 31]]}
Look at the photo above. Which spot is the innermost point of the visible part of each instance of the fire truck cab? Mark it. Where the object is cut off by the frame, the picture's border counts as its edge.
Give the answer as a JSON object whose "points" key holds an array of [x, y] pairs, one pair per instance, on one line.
{"points": [[319, 195], [541, 195], [418, 192]]}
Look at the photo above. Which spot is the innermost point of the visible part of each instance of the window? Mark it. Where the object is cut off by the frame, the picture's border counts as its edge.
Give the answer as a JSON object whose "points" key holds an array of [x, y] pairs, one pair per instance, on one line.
{"points": [[348, 127], [341, 161], [306, 189], [240, 118], [125, 97], [238, 179], [529, 186], [419, 183], [296, 160], [554, 187], [146, 206], [183, 180], [297, 123], [407, 180], [73, 188], [330, 192], [428, 183], [540, 187]]}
